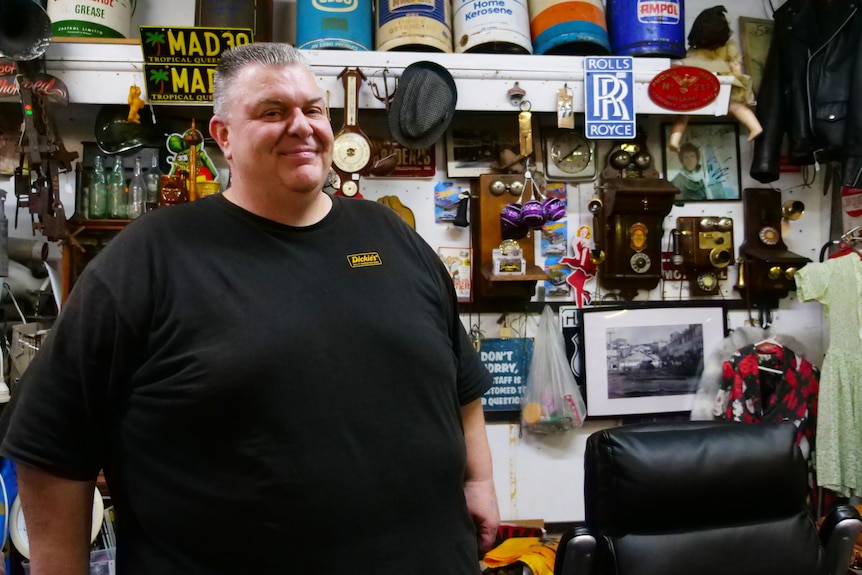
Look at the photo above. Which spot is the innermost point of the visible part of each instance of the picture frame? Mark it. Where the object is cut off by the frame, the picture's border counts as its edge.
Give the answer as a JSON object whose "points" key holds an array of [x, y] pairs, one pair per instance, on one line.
{"points": [[474, 143], [711, 170], [459, 264], [647, 360], [755, 36]]}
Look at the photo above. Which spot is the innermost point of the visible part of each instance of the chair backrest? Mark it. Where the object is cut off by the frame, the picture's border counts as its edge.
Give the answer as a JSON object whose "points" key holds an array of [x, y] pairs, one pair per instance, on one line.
{"points": [[700, 498]]}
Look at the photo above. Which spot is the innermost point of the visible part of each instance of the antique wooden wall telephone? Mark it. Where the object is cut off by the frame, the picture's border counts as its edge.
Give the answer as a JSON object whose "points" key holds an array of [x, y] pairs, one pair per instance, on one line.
{"points": [[703, 246], [506, 209], [628, 210], [766, 266]]}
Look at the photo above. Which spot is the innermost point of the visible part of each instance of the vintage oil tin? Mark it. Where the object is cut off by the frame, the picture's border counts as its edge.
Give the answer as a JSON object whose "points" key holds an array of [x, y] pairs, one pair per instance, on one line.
{"points": [[491, 26], [96, 19], [647, 28], [414, 25], [334, 25], [569, 27]]}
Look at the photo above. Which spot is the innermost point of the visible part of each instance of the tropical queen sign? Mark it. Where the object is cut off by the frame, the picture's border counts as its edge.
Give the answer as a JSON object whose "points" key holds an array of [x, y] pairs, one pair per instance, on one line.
{"points": [[179, 63]]}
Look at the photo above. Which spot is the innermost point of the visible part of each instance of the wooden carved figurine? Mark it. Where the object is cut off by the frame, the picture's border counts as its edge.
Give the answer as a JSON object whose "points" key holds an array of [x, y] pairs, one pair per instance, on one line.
{"points": [[712, 48]]}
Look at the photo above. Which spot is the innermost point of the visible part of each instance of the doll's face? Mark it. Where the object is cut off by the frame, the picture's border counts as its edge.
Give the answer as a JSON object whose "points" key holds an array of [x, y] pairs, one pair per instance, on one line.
{"points": [[689, 160]]}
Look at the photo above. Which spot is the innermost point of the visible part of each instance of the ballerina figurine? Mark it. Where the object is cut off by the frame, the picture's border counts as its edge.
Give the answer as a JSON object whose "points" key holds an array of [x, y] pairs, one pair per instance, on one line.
{"points": [[712, 48]]}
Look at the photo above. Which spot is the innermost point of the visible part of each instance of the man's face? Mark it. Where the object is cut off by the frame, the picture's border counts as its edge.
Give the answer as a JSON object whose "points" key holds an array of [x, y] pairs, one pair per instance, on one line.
{"points": [[689, 160], [277, 133]]}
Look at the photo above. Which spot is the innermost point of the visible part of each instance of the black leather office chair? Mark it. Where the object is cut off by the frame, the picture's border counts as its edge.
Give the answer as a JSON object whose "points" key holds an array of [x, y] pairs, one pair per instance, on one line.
{"points": [[702, 498]]}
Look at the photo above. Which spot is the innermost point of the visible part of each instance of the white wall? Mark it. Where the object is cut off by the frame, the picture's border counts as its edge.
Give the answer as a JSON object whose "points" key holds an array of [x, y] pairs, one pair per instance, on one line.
{"points": [[541, 477]]}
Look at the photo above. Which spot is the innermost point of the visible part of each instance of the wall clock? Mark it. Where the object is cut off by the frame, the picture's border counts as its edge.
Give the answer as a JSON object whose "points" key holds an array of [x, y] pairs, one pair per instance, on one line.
{"points": [[569, 156]]}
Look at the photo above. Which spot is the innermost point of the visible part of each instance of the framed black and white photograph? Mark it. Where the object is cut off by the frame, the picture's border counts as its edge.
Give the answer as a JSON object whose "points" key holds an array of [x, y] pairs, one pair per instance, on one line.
{"points": [[706, 167], [479, 144], [647, 360]]}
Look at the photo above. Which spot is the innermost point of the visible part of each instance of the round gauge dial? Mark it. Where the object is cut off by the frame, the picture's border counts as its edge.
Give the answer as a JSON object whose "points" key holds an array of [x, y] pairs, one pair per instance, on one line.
{"points": [[351, 152], [707, 281], [571, 153], [640, 263], [769, 235], [349, 188]]}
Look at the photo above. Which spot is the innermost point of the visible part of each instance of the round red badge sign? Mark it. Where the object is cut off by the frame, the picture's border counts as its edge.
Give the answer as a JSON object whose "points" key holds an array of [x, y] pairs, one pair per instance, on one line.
{"points": [[684, 88]]}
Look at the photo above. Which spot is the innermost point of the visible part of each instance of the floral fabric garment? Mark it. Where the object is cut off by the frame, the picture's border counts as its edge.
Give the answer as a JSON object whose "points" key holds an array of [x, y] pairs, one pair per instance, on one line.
{"points": [[775, 386]]}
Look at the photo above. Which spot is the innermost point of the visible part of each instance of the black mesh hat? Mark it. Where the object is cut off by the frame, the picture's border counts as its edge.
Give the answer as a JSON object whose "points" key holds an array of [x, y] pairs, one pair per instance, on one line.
{"points": [[423, 105]]}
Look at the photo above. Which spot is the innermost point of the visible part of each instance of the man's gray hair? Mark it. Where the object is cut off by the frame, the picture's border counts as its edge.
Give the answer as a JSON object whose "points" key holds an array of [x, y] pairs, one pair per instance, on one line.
{"points": [[234, 60]]}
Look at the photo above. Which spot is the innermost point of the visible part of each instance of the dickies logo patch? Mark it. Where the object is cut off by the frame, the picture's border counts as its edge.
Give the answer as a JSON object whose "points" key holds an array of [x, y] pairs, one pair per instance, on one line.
{"points": [[364, 260]]}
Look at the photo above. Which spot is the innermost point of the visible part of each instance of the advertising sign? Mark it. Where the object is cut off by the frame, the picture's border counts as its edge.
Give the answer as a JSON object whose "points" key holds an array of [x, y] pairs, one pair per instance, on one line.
{"points": [[508, 360], [179, 63], [609, 91]]}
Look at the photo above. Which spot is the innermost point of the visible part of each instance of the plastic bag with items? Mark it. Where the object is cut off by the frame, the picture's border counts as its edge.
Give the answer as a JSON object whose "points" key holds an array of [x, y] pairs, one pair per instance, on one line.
{"points": [[552, 402]]}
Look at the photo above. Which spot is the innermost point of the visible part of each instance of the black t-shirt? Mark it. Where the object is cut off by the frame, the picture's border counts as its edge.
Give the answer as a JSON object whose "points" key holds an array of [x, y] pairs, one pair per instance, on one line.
{"points": [[262, 397]]}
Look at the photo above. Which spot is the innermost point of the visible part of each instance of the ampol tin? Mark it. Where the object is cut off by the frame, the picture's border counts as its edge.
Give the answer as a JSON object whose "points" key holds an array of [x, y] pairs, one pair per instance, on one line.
{"points": [[491, 26], [333, 25], [647, 28], [572, 27], [414, 25]]}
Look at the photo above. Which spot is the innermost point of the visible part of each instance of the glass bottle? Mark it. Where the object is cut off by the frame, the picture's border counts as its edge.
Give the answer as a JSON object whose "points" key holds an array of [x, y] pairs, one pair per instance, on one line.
{"points": [[137, 191], [98, 200], [153, 177], [117, 206]]}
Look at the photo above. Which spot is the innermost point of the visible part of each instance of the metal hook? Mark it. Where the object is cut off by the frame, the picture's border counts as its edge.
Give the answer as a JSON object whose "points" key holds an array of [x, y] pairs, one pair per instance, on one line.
{"points": [[387, 96]]}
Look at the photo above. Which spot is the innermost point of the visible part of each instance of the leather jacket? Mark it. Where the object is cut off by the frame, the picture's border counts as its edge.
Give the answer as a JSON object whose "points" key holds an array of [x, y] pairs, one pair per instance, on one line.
{"points": [[811, 89]]}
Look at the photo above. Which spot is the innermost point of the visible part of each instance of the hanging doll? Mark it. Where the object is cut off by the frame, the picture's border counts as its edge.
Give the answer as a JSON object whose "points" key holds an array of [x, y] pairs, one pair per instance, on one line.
{"points": [[712, 48], [135, 104]]}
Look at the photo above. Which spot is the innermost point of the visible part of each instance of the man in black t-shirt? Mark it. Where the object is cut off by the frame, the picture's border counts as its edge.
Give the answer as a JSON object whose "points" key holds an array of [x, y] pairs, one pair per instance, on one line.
{"points": [[271, 378]]}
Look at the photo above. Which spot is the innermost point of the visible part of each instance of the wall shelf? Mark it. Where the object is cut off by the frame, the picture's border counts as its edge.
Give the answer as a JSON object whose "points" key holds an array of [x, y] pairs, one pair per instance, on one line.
{"points": [[101, 73]]}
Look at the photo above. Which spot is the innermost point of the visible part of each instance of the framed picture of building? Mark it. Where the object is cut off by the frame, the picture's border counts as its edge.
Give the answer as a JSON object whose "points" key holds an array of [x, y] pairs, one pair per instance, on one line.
{"points": [[647, 360]]}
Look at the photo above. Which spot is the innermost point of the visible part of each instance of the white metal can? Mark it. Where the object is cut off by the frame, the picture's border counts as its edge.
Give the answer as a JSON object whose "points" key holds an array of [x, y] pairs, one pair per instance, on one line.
{"points": [[91, 18], [491, 26]]}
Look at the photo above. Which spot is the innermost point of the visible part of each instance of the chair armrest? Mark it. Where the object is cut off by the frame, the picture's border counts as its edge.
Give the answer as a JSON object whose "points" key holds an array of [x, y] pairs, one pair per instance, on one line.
{"points": [[838, 535], [575, 552]]}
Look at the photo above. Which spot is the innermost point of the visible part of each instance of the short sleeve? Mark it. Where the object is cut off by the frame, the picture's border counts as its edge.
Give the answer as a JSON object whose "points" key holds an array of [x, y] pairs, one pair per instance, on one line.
{"points": [[812, 282]]}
